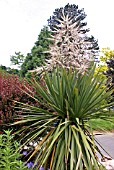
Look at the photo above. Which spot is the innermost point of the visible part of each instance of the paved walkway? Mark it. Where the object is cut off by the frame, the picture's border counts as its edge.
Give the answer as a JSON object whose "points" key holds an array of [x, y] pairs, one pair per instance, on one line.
{"points": [[106, 140]]}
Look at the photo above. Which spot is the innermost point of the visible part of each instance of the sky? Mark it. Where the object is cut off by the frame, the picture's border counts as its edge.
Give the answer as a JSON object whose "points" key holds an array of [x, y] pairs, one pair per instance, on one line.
{"points": [[22, 20]]}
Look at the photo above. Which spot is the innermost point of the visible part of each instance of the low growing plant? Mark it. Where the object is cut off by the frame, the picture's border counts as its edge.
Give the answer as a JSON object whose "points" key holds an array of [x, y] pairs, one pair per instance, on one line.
{"points": [[9, 155]]}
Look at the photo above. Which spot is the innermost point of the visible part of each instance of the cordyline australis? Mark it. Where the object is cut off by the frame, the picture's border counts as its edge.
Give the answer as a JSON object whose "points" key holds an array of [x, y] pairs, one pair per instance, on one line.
{"points": [[70, 47]]}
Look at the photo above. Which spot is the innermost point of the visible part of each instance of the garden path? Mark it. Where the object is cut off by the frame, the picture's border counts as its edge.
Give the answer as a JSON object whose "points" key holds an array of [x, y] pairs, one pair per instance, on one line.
{"points": [[106, 141]]}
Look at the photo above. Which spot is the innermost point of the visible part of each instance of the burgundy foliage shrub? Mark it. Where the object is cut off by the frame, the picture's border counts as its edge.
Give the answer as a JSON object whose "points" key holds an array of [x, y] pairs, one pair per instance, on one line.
{"points": [[11, 89]]}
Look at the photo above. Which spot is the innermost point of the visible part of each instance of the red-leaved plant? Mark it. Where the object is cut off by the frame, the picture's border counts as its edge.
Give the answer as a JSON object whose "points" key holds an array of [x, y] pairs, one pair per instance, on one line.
{"points": [[11, 90]]}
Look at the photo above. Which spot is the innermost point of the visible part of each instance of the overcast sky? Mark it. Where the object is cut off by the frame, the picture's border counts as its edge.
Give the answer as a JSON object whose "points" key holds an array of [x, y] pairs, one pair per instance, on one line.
{"points": [[22, 20]]}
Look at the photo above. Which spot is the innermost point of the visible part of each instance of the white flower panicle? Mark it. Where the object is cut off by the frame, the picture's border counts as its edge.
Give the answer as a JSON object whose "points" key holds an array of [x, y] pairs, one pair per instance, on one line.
{"points": [[69, 48]]}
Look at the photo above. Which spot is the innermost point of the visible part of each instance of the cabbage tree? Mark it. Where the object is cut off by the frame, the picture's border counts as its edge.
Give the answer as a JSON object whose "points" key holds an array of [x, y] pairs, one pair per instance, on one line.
{"points": [[60, 127]]}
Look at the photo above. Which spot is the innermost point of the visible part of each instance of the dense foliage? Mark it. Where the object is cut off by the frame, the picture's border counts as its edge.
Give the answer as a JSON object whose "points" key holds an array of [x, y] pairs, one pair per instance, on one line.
{"points": [[108, 58], [106, 54], [61, 127], [11, 89], [106, 68], [17, 59], [36, 57], [9, 155], [9, 70]]}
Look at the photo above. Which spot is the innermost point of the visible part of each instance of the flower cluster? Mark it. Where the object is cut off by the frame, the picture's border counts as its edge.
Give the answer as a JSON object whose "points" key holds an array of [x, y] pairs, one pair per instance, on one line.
{"points": [[70, 47], [25, 152], [30, 147]]}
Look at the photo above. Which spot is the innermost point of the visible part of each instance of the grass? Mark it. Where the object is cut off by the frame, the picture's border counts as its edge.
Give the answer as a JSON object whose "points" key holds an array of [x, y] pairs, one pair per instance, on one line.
{"points": [[102, 125]]}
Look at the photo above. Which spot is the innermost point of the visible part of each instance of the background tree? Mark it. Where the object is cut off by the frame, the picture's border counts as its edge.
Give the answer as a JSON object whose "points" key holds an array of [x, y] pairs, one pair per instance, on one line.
{"points": [[17, 59], [106, 68], [109, 59], [110, 74], [3, 67], [103, 66], [36, 57], [9, 70]]}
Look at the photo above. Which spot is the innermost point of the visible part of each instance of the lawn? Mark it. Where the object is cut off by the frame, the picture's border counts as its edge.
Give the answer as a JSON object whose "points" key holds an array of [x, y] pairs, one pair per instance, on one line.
{"points": [[102, 125]]}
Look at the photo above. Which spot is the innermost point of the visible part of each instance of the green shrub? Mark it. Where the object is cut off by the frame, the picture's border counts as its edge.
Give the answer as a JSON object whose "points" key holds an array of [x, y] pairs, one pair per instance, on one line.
{"points": [[9, 155]]}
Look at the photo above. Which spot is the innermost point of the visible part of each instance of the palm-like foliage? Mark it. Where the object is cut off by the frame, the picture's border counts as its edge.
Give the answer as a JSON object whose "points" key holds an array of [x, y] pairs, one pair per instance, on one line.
{"points": [[61, 125]]}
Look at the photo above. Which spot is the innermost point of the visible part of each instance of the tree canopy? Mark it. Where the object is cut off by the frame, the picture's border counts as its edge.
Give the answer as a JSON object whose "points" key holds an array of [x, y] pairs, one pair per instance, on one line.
{"points": [[106, 54], [36, 57], [8, 70], [17, 59]]}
